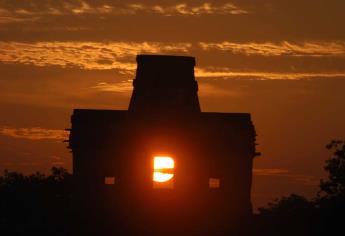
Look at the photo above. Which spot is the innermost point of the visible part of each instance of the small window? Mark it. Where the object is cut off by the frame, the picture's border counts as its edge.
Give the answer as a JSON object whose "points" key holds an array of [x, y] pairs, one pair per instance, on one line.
{"points": [[214, 182], [109, 180]]}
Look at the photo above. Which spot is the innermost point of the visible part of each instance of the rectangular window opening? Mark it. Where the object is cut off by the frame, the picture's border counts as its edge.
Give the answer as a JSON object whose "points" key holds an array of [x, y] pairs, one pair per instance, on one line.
{"points": [[109, 180], [163, 172], [214, 182]]}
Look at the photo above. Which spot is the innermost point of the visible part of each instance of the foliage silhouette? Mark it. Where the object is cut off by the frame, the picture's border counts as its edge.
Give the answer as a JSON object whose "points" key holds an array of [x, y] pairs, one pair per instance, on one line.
{"points": [[35, 204], [335, 185], [41, 205], [295, 215]]}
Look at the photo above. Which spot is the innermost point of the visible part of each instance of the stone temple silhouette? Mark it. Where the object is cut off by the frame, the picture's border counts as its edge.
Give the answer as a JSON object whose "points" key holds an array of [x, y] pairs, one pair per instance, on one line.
{"points": [[206, 188]]}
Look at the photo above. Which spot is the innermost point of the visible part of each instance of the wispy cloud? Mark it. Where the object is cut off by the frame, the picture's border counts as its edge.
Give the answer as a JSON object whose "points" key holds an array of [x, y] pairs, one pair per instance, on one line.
{"points": [[209, 89], [29, 10], [121, 87], [10, 16], [182, 9], [270, 172], [86, 55], [34, 133], [57, 160], [314, 49], [301, 178], [127, 86], [202, 9], [120, 56], [211, 72]]}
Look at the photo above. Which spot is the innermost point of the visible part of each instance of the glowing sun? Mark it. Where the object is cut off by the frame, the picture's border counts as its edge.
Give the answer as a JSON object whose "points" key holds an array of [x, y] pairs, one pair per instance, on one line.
{"points": [[163, 168]]}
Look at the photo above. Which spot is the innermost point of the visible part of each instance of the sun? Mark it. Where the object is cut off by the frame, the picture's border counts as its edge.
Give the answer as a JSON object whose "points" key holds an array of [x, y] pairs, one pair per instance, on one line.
{"points": [[163, 168]]}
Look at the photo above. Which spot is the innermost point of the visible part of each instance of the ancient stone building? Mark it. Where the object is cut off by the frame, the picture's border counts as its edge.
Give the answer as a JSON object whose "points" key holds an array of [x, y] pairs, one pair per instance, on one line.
{"points": [[162, 166]]}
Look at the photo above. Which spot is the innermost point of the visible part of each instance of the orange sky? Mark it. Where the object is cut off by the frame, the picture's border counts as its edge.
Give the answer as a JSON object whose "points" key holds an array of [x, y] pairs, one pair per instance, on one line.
{"points": [[282, 61]]}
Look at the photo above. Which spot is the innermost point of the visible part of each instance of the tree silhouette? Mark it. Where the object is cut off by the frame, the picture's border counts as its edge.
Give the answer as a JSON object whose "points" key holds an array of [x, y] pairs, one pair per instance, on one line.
{"points": [[35, 204], [335, 185], [331, 198], [41, 205], [291, 215], [295, 215]]}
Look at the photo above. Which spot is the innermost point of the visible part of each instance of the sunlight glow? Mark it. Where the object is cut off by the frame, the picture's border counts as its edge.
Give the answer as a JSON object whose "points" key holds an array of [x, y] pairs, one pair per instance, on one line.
{"points": [[163, 167]]}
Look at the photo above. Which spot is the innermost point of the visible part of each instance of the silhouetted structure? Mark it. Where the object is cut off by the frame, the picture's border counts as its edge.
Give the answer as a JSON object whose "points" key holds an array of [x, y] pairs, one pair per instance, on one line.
{"points": [[113, 155]]}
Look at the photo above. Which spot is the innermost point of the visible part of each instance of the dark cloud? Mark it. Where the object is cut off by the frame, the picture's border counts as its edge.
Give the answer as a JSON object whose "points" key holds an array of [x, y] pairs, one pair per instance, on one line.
{"points": [[263, 21], [101, 7], [34, 133], [224, 59]]}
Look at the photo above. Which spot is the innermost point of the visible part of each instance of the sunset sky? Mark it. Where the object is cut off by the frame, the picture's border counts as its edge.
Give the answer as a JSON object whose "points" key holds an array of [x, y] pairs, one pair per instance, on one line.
{"points": [[283, 61]]}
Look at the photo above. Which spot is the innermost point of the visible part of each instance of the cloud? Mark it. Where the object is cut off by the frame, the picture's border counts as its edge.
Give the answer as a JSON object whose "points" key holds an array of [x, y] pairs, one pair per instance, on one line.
{"points": [[270, 172], [57, 160], [127, 86], [202, 9], [12, 19], [122, 87], [301, 178], [183, 9], [34, 133], [8, 16], [212, 72], [312, 49], [28, 10], [209, 89], [120, 56], [86, 55]]}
